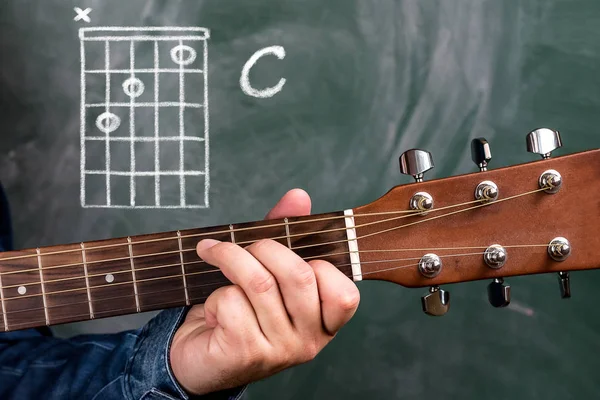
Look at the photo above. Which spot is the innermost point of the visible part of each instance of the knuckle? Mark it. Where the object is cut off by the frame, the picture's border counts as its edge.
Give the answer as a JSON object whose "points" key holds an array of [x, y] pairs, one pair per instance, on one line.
{"points": [[312, 350], [250, 358], [316, 264], [348, 300], [262, 282], [221, 250], [261, 245], [231, 293], [303, 275]]}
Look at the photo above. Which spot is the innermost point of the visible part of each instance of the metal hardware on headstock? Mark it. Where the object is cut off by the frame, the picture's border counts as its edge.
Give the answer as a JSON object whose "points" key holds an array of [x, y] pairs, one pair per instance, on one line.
{"points": [[437, 302], [487, 192], [495, 255], [498, 293], [416, 162], [421, 201], [550, 178], [430, 265], [481, 154], [544, 141], [559, 249]]}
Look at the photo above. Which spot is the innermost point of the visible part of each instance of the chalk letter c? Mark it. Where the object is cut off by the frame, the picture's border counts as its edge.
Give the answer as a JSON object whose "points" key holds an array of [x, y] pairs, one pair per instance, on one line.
{"points": [[277, 51]]}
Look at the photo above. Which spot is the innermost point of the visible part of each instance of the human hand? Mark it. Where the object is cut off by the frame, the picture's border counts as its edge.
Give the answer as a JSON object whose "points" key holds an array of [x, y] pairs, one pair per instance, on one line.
{"points": [[280, 312]]}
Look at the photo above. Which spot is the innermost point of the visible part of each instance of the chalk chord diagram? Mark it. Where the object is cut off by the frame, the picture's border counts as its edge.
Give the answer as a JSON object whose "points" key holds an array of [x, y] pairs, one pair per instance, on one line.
{"points": [[144, 117]]}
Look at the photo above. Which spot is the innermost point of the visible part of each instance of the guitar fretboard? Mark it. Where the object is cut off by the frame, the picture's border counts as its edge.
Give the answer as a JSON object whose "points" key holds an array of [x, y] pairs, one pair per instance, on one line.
{"points": [[60, 284]]}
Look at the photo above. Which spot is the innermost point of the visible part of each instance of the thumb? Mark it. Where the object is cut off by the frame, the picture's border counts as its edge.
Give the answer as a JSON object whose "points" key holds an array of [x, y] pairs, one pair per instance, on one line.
{"points": [[294, 203]]}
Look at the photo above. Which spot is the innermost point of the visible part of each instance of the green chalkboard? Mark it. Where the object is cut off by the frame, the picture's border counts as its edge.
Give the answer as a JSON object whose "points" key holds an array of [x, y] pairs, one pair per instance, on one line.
{"points": [[364, 81]]}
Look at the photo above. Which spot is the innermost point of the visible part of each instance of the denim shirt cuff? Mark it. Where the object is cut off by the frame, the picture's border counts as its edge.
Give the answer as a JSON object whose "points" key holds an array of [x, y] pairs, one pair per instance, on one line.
{"points": [[148, 373]]}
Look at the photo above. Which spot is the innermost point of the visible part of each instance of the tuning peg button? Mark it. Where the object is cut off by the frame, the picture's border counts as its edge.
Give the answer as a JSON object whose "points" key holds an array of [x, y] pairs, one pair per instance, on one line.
{"points": [[437, 302], [481, 153], [416, 162], [543, 141], [564, 281], [498, 293]]}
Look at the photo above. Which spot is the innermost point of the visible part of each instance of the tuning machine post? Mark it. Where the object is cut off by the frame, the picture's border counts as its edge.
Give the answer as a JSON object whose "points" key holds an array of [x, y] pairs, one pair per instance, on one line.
{"points": [[544, 141], [416, 162], [487, 191]]}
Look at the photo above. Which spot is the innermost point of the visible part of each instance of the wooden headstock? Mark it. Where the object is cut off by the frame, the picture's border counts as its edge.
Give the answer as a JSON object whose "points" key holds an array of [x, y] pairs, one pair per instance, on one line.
{"points": [[458, 229]]}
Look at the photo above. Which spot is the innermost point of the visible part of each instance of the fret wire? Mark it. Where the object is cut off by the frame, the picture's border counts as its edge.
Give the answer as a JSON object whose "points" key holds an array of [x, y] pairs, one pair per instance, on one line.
{"points": [[287, 233], [125, 271], [368, 235], [320, 244], [87, 280], [339, 217], [304, 258], [108, 313], [39, 256], [115, 284], [265, 226], [135, 288], [184, 250], [196, 235], [232, 234], [225, 282], [3, 305], [187, 297], [218, 270]]}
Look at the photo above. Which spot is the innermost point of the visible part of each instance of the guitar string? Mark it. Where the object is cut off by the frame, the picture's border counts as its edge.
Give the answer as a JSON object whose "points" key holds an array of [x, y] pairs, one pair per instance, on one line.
{"points": [[220, 283], [185, 250], [342, 241], [228, 231], [178, 264], [110, 313], [150, 307], [272, 238], [235, 230], [218, 270], [421, 221]]}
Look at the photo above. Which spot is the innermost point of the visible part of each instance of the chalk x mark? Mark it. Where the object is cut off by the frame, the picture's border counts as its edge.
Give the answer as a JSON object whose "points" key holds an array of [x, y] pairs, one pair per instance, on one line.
{"points": [[82, 15]]}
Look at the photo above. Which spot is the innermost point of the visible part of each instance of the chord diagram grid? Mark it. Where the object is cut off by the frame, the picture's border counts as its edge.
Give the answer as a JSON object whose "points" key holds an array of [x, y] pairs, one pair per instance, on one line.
{"points": [[144, 117]]}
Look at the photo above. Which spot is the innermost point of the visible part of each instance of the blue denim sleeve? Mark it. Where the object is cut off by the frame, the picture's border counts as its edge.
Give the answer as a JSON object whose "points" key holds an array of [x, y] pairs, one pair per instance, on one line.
{"points": [[130, 365]]}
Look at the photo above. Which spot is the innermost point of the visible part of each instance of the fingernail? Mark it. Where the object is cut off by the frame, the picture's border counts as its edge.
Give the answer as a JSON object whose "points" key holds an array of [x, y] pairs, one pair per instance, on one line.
{"points": [[206, 244]]}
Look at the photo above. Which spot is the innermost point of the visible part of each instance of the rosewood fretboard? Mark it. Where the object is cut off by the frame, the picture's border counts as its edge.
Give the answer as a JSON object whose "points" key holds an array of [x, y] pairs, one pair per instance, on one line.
{"points": [[60, 284]]}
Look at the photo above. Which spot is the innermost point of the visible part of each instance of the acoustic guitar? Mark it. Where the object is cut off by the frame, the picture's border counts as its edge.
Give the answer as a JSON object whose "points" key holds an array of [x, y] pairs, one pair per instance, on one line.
{"points": [[539, 217]]}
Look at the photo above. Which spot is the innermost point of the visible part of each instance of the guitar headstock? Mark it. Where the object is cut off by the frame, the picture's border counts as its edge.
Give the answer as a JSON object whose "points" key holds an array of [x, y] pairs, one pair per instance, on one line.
{"points": [[533, 218]]}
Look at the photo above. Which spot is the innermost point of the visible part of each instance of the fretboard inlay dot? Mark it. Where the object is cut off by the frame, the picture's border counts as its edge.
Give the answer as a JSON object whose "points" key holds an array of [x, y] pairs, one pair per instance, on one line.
{"points": [[22, 290], [110, 278]]}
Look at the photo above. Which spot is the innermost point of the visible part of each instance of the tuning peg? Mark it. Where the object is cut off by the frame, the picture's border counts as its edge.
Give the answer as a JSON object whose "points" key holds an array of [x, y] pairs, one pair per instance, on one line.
{"points": [[481, 153], [437, 302], [559, 250], [498, 293], [564, 282], [543, 141], [416, 162]]}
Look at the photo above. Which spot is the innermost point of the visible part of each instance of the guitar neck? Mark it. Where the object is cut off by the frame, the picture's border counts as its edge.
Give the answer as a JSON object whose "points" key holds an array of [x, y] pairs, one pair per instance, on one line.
{"points": [[69, 283]]}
